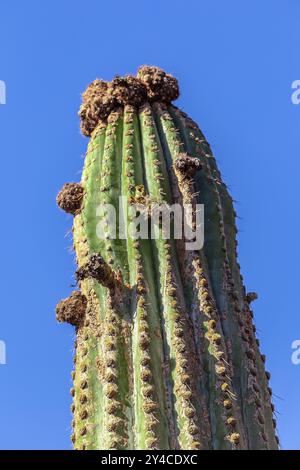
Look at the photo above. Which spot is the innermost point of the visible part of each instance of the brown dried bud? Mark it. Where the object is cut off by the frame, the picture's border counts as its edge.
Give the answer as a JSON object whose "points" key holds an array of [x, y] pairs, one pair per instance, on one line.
{"points": [[128, 90], [160, 85], [251, 296], [72, 310], [187, 165], [98, 269], [70, 197]]}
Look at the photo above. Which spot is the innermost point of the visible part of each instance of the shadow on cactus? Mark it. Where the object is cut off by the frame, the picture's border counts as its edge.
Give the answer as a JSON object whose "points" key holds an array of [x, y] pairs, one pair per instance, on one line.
{"points": [[166, 354]]}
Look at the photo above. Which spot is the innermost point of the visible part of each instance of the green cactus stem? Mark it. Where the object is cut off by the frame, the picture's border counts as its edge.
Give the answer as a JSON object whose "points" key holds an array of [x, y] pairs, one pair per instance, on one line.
{"points": [[166, 354]]}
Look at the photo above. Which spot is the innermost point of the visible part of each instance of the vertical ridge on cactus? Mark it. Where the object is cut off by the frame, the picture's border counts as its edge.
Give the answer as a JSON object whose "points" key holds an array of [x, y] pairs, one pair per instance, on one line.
{"points": [[166, 354]]}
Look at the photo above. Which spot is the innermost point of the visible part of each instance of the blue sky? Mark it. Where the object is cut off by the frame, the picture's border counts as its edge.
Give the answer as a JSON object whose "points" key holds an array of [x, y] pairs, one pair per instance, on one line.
{"points": [[235, 62]]}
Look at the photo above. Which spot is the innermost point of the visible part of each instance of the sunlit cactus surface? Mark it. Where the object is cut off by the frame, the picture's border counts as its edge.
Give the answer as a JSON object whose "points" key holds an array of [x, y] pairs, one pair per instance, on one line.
{"points": [[166, 353]]}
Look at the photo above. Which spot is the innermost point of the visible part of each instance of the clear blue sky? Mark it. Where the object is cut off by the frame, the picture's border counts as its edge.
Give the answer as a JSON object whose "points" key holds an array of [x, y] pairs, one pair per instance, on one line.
{"points": [[235, 61]]}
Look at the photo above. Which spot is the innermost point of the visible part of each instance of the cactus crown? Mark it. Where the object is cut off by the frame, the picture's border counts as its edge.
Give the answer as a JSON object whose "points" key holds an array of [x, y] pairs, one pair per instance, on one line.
{"points": [[166, 354], [101, 98]]}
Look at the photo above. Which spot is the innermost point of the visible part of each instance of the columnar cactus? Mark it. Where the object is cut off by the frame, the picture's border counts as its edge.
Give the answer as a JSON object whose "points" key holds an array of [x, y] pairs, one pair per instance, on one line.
{"points": [[166, 354]]}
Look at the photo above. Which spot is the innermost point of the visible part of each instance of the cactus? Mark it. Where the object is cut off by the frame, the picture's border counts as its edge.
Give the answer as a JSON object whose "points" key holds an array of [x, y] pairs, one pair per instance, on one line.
{"points": [[165, 354]]}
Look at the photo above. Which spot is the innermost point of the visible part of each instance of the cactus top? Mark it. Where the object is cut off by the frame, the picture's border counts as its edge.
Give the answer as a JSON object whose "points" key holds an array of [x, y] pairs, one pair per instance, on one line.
{"points": [[101, 97]]}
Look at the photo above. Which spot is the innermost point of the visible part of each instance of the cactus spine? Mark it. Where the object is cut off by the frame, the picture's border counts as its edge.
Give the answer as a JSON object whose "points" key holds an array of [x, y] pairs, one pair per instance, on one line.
{"points": [[166, 355]]}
